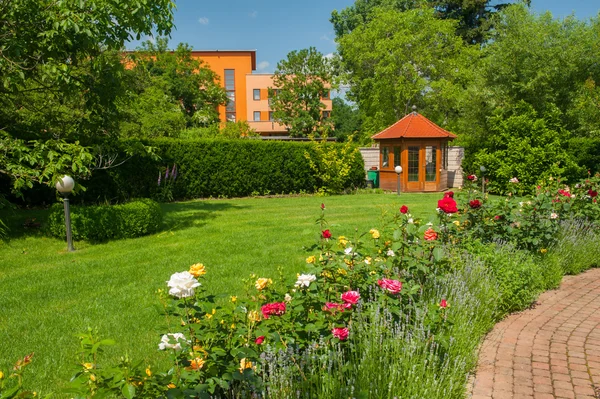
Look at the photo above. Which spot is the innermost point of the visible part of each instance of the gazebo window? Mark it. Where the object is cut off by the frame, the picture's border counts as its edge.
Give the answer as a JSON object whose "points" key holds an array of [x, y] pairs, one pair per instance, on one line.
{"points": [[430, 163], [413, 163], [385, 157], [396, 156]]}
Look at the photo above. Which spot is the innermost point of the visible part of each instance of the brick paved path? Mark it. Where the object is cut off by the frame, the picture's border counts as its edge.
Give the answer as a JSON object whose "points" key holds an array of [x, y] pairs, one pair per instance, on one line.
{"points": [[550, 351]]}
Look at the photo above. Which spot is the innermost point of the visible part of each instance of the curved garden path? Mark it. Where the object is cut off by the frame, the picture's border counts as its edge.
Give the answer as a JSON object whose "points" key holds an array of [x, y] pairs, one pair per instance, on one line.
{"points": [[549, 351]]}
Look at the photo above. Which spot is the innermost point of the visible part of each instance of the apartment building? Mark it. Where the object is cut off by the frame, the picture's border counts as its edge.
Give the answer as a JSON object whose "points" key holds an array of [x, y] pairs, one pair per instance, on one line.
{"points": [[248, 92]]}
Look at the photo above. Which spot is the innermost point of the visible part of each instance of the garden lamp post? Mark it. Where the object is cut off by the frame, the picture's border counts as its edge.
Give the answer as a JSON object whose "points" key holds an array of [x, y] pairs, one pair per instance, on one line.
{"points": [[398, 170], [483, 170], [65, 186]]}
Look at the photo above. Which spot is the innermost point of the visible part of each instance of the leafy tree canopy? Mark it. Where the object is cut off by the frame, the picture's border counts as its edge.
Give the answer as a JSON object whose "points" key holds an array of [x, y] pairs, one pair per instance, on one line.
{"points": [[301, 80]]}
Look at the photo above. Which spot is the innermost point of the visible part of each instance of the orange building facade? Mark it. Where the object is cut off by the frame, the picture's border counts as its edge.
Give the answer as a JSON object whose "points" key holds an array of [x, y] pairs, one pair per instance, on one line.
{"points": [[248, 92], [232, 66]]}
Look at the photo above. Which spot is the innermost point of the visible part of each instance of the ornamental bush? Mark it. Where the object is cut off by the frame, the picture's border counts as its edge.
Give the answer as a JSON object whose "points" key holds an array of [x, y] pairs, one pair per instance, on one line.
{"points": [[107, 222]]}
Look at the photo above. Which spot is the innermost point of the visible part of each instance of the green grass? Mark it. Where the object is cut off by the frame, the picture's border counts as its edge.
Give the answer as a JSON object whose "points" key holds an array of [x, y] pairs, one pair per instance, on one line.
{"points": [[48, 295]]}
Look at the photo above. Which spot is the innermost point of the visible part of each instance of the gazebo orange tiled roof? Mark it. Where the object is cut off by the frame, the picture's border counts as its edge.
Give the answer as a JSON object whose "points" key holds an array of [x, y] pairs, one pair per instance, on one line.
{"points": [[420, 147]]}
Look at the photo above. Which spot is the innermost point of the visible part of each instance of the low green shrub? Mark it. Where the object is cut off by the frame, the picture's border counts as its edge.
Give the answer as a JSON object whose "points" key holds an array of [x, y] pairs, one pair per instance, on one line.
{"points": [[576, 249], [106, 222]]}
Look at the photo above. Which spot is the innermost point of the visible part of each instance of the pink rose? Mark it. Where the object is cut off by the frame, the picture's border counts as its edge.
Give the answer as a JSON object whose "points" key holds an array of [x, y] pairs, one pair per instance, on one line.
{"points": [[443, 304], [273, 309], [340, 333], [392, 286], [259, 340], [430, 235], [351, 297]]}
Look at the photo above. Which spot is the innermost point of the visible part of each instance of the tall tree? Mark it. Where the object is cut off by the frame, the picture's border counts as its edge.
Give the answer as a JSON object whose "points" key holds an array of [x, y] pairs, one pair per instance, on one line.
{"points": [[58, 58], [400, 59], [170, 91], [347, 120], [301, 80], [473, 16]]}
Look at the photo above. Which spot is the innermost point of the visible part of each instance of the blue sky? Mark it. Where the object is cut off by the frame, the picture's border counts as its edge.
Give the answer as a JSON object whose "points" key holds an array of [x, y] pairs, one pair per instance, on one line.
{"points": [[274, 28]]}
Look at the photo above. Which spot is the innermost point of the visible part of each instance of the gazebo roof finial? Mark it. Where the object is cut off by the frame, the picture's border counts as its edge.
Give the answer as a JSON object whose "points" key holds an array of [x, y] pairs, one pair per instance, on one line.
{"points": [[414, 108]]}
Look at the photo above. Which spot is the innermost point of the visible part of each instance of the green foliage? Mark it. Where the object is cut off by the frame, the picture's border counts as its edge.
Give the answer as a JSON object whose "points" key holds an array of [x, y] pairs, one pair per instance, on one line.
{"points": [[418, 60], [525, 145], [300, 82], [347, 121], [170, 91], [577, 248], [337, 167], [473, 16], [107, 222]]}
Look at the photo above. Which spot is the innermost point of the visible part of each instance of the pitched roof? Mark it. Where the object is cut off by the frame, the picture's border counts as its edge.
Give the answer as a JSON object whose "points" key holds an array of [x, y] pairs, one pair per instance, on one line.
{"points": [[414, 126]]}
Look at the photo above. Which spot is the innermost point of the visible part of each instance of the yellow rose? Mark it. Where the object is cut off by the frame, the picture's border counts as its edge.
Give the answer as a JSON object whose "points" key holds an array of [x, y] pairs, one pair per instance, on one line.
{"points": [[456, 223], [88, 366], [1, 375], [263, 283], [543, 250], [254, 316], [92, 377], [234, 299], [197, 270], [342, 241], [374, 233], [196, 364], [311, 259], [245, 364], [171, 385], [341, 271], [148, 371]]}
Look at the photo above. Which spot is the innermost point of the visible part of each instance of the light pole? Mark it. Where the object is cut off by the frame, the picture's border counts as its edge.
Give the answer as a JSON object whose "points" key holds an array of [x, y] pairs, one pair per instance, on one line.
{"points": [[398, 170], [482, 169], [65, 186]]}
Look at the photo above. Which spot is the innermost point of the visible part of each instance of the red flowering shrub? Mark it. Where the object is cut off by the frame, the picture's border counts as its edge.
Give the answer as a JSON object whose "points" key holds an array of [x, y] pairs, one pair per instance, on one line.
{"points": [[449, 194], [475, 204]]}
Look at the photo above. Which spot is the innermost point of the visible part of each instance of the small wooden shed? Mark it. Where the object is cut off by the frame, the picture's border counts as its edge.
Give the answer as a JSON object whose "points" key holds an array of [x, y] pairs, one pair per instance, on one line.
{"points": [[421, 148]]}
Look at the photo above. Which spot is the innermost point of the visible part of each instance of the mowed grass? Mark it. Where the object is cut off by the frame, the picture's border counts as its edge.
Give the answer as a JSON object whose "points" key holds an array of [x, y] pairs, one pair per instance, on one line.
{"points": [[48, 295]]}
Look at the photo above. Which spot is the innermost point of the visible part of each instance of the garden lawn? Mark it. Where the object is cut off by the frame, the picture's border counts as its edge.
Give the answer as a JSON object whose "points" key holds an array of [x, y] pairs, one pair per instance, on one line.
{"points": [[48, 295]]}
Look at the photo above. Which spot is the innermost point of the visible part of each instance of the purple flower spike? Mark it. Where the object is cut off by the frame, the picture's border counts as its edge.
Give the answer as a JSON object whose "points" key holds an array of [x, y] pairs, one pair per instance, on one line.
{"points": [[159, 176], [167, 173]]}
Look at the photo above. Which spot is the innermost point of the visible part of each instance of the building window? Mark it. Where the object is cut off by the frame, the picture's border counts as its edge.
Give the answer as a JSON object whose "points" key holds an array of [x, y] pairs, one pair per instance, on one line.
{"points": [[430, 163], [256, 116], [385, 157], [230, 89], [325, 95], [271, 116], [256, 94], [326, 114], [413, 164], [396, 156]]}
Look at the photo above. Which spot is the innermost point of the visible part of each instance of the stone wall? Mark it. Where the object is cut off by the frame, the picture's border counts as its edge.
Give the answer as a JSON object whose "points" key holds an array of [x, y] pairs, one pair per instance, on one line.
{"points": [[455, 173], [370, 156]]}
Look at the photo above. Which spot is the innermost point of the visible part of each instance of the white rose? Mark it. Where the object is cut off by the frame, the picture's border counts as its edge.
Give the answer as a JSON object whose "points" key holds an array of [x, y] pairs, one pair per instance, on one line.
{"points": [[348, 250], [288, 298], [167, 339], [411, 221], [390, 252], [304, 280], [182, 285], [553, 215]]}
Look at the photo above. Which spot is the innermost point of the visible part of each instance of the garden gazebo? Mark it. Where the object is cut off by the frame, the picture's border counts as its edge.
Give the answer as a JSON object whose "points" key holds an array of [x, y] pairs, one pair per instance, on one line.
{"points": [[420, 147]]}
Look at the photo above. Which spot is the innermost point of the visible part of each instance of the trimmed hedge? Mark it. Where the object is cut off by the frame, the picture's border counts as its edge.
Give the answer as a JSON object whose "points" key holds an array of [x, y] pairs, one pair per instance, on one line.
{"points": [[106, 222], [214, 168]]}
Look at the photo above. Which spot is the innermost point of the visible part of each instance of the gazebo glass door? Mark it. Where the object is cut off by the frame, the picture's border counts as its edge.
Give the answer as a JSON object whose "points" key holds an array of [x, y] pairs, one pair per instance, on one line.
{"points": [[421, 167], [431, 167], [414, 170]]}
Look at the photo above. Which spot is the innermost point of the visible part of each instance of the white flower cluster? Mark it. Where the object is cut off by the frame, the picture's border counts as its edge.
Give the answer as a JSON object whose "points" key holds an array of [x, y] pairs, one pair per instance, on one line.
{"points": [[182, 285], [166, 341], [304, 280]]}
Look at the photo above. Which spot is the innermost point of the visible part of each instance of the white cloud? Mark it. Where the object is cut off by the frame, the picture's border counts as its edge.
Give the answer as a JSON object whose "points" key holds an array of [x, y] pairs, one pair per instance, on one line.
{"points": [[203, 20], [253, 14], [262, 65], [326, 38], [328, 56]]}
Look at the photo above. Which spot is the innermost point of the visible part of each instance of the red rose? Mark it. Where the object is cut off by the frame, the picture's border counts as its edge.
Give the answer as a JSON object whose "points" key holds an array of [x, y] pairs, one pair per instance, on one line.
{"points": [[332, 306], [351, 297], [340, 333], [404, 209], [322, 206], [498, 217], [474, 204], [592, 193], [273, 309], [326, 234], [472, 178], [443, 304], [392, 286], [564, 193], [448, 205], [449, 194], [259, 340], [430, 235]]}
